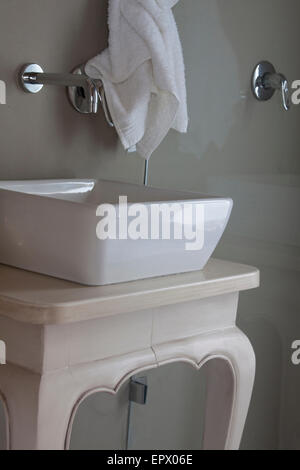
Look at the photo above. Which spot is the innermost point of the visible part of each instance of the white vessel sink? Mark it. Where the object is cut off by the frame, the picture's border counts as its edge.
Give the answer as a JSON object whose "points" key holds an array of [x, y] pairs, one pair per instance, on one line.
{"points": [[50, 227]]}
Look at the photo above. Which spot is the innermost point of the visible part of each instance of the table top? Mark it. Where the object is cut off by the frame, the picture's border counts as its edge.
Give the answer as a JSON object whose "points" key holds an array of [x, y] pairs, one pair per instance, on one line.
{"points": [[42, 300]]}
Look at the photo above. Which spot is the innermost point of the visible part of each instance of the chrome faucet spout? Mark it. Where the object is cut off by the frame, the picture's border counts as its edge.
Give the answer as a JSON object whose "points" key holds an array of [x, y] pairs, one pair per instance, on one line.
{"points": [[57, 79]]}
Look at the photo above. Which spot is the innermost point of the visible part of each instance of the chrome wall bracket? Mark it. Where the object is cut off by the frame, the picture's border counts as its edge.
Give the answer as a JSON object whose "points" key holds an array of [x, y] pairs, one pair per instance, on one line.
{"points": [[138, 390], [26, 72], [85, 93], [265, 81]]}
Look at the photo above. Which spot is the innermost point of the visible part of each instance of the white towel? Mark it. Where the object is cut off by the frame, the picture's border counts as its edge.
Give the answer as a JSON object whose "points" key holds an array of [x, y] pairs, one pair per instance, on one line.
{"points": [[143, 73]]}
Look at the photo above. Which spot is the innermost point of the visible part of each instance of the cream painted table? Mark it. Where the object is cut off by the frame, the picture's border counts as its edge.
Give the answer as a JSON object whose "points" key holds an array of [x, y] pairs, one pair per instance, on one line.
{"points": [[66, 341]]}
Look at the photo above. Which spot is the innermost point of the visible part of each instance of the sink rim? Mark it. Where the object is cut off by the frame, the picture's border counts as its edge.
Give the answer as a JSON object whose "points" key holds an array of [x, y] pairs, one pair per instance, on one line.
{"points": [[194, 196]]}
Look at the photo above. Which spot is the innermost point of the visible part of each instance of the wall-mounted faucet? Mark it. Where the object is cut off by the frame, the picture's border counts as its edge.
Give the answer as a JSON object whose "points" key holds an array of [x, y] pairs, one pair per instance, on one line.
{"points": [[265, 81], [84, 92]]}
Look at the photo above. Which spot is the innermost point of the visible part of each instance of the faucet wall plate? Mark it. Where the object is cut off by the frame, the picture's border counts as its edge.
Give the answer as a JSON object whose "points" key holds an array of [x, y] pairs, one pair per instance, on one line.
{"points": [[265, 81], [31, 87], [261, 70]]}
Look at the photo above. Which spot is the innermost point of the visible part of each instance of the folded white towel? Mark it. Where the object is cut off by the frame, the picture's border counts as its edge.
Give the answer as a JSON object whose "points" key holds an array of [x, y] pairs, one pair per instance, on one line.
{"points": [[143, 73]]}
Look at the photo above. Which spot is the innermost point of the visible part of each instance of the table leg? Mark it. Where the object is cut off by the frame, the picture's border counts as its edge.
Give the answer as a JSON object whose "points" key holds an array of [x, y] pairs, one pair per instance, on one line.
{"points": [[230, 382], [230, 359], [41, 408], [38, 407]]}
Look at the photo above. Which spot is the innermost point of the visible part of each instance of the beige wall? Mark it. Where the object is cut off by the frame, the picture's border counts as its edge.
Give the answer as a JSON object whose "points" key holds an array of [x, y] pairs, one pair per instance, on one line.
{"points": [[235, 147]]}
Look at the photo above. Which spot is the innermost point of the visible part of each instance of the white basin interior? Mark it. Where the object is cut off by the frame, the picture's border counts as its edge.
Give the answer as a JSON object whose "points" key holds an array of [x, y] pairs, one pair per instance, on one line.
{"points": [[49, 227], [99, 191]]}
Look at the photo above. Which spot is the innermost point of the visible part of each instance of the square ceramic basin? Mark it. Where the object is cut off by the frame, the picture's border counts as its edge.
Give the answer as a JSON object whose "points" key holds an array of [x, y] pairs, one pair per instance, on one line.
{"points": [[50, 227]]}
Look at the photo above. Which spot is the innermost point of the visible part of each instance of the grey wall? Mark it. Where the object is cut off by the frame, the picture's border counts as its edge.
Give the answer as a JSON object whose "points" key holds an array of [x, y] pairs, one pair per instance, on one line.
{"points": [[235, 147], [42, 136]]}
